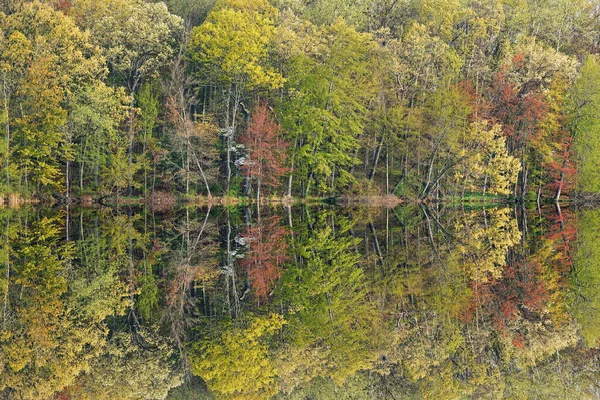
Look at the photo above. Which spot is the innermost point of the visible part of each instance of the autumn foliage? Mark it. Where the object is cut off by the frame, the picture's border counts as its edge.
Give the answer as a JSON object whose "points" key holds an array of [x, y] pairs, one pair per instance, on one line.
{"points": [[266, 149], [267, 252]]}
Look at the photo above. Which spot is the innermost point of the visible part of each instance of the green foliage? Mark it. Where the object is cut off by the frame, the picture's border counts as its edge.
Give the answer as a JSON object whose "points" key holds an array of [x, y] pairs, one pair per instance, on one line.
{"points": [[138, 38], [584, 106], [326, 111], [585, 278]]}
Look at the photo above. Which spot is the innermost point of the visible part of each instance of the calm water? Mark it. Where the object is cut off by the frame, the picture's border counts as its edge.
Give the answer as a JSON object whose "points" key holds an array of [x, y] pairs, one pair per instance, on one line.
{"points": [[303, 303]]}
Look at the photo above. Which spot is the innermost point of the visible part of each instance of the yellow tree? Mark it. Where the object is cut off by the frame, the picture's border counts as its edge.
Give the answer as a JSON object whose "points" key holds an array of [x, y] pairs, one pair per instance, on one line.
{"points": [[46, 60], [485, 162], [237, 364]]}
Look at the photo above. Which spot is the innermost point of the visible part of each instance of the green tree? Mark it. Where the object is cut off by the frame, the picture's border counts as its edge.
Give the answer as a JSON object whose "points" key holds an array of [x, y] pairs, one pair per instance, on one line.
{"points": [[583, 105], [585, 278], [55, 60], [138, 39], [329, 89]]}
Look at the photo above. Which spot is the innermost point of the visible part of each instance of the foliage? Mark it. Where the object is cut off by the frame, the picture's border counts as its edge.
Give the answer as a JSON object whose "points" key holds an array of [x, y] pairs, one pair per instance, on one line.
{"points": [[236, 364], [265, 150]]}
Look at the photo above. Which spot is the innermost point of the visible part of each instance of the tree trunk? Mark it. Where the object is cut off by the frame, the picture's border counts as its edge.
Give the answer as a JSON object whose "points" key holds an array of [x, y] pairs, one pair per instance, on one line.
{"points": [[67, 178], [201, 173], [376, 158], [132, 90], [258, 191], [7, 127]]}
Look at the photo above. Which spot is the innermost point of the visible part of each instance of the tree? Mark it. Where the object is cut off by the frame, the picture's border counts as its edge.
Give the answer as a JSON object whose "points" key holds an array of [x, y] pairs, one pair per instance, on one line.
{"points": [[583, 105], [267, 252], [329, 89], [265, 150], [444, 124], [138, 39], [196, 140], [56, 59], [129, 371], [97, 113], [486, 165], [333, 325], [584, 295], [236, 364], [231, 48]]}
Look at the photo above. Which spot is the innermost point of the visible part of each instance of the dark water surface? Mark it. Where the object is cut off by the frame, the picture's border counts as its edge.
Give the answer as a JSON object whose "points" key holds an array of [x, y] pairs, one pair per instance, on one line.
{"points": [[302, 303]]}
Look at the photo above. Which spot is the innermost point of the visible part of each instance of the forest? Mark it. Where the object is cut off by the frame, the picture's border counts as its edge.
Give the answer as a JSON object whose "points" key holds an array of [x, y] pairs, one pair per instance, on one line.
{"points": [[299, 199], [421, 99]]}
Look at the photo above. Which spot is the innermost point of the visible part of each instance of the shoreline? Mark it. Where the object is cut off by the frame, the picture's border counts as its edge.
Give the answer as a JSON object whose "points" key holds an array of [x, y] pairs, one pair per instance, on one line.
{"points": [[164, 200]]}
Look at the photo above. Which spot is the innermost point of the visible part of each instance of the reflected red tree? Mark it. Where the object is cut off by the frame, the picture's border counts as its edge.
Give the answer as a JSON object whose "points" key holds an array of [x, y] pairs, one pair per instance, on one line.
{"points": [[267, 252]]}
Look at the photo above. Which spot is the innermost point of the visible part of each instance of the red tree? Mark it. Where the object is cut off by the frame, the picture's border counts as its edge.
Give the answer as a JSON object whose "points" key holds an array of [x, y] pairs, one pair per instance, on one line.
{"points": [[265, 150], [519, 108], [267, 253]]}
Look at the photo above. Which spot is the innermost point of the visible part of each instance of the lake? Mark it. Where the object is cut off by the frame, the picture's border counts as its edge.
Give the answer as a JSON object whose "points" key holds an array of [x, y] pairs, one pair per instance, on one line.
{"points": [[319, 302]]}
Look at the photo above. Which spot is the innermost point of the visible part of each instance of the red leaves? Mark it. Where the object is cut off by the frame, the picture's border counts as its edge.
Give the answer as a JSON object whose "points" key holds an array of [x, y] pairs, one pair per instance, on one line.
{"points": [[518, 109], [519, 288], [563, 234], [265, 148], [266, 256]]}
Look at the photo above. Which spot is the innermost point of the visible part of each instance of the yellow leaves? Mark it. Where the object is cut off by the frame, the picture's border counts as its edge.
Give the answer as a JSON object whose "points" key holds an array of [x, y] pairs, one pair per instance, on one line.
{"points": [[484, 242], [542, 338], [16, 52], [427, 54], [138, 38], [233, 43], [541, 64], [486, 164], [17, 353], [54, 33], [297, 38], [297, 365], [237, 365]]}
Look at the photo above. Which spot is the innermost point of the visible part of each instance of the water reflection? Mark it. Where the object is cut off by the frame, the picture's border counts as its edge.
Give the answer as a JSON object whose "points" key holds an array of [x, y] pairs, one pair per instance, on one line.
{"points": [[313, 302]]}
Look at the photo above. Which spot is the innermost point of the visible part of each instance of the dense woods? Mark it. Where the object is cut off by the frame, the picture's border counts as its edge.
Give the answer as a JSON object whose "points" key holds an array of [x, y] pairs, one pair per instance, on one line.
{"points": [[438, 102], [417, 98]]}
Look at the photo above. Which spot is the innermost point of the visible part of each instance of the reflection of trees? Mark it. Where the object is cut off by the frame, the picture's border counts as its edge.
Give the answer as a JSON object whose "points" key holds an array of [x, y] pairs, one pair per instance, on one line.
{"points": [[585, 277], [192, 262], [125, 370], [330, 317], [54, 311], [267, 251], [236, 362], [483, 242], [478, 311], [415, 302], [73, 318]]}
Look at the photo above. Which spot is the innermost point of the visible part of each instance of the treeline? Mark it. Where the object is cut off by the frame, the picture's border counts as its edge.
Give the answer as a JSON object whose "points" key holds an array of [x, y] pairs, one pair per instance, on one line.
{"points": [[418, 98]]}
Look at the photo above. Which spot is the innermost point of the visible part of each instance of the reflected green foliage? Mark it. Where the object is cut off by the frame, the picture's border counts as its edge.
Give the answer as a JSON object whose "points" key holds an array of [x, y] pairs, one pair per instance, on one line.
{"points": [[585, 278], [411, 302]]}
